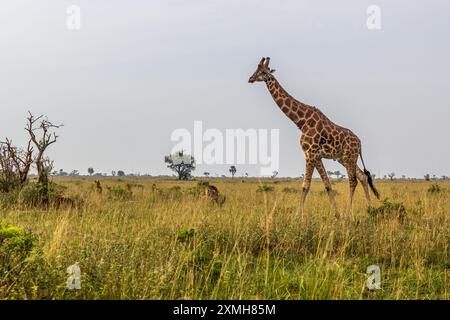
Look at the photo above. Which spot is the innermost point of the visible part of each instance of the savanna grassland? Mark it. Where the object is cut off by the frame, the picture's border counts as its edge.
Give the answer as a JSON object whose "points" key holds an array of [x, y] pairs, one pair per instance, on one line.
{"points": [[171, 242]]}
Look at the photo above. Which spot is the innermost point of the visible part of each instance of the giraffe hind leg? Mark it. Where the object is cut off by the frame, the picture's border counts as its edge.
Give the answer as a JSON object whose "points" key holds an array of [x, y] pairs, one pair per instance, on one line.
{"points": [[364, 182], [353, 182]]}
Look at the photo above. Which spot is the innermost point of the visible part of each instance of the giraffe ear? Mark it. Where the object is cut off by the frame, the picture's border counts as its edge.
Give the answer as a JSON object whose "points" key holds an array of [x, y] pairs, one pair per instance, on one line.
{"points": [[272, 70]]}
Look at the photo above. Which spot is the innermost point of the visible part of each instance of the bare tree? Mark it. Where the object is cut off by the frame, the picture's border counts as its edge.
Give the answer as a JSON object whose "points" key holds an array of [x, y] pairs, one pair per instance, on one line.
{"points": [[15, 164], [42, 135]]}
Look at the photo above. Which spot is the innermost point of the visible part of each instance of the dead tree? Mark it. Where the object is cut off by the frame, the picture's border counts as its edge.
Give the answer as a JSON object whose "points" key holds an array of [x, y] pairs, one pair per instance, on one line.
{"points": [[42, 136], [15, 164]]}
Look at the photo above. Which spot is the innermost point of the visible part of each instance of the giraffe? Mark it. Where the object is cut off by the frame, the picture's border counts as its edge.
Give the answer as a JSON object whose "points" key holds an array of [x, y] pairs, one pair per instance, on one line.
{"points": [[320, 139]]}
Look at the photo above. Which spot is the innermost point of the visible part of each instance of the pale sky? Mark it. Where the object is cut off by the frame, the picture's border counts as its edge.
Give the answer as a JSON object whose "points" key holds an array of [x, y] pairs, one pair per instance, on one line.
{"points": [[138, 70]]}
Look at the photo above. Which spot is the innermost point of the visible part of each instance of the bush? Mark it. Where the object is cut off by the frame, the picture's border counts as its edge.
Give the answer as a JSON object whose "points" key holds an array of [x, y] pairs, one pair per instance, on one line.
{"points": [[290, 190], [264, 188], [199, 189], [9, 199], [15, 239], [119, 193], [24, 273], [185, 234], [34, 194], [15, 246], [387, 208], [174, 192], [434, 188]]}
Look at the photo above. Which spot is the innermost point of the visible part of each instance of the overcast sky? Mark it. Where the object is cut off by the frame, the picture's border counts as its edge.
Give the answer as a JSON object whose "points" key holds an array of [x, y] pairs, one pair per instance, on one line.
{"points": [[138, 70]]}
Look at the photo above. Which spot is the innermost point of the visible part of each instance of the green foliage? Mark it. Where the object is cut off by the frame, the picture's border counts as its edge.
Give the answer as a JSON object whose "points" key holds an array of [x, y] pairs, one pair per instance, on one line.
{"points": [[182, 164], [216, 270], [185, 234], [199, 189], [434, 188], [174, 192], [36, 194], [119, 193], [388, 209], [264, 188], [290, 190], [9, 199], [15, 246], [15, 239]]}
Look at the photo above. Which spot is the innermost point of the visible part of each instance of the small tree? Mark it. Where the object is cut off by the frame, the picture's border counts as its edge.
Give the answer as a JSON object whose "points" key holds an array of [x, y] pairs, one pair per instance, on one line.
{"points": [[91, 171], [232, 171], [120, 173], [427, 177], [113, 173], [182, 164], [391, 175], [206, 174], [274, 174], [42, 136]]}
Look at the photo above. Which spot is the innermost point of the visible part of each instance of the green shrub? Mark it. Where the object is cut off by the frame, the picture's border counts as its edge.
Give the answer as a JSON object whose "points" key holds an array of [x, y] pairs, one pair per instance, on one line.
{"points": [[388, 209], [199, 189], [434, 188], [15, 246], [34, 194], [9, 199], [290, 190], [119, 193], [174, 192], [264, 188], [24, 273], [185, 234], [216, 270], [15, 239]]}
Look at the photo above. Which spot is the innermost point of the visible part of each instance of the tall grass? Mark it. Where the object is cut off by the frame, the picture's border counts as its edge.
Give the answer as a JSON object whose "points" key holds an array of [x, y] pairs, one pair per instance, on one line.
{"points": [[166, 245]]}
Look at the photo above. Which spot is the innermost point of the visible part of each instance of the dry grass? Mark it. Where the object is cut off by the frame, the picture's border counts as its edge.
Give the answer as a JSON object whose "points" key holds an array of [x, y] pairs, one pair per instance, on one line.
{"points": [[252, 247]]}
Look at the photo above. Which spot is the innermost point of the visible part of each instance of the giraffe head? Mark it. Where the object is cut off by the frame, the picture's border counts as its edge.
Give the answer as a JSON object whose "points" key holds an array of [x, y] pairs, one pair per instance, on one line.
{"points": [[263, 72]]}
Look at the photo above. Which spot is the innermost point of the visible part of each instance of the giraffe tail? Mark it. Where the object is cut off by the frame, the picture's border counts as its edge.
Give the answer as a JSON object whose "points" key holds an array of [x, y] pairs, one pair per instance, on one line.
{"points": [[370, 179]]}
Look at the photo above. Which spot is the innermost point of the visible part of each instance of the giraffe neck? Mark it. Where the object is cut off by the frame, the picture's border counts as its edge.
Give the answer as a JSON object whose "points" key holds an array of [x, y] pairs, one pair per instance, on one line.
{"points": [[292, 108]]}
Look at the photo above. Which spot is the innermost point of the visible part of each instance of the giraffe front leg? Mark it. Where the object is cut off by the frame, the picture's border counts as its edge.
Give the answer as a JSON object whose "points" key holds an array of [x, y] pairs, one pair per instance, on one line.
{"points": [[326, 181], [310, 164]]}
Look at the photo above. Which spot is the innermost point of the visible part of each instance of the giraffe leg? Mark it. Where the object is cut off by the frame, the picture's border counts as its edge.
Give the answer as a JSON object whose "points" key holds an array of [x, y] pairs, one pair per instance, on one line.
{"points": [[310, 164], [323, 175], [364, 182], [353, 182]]}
